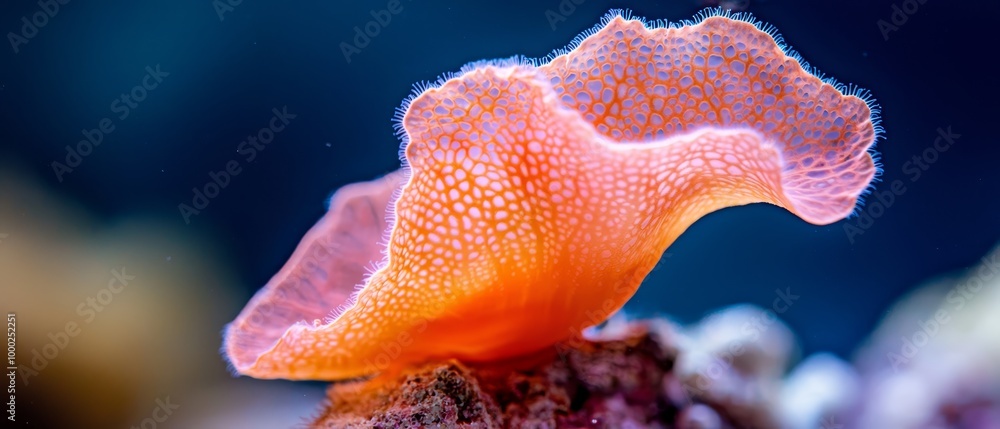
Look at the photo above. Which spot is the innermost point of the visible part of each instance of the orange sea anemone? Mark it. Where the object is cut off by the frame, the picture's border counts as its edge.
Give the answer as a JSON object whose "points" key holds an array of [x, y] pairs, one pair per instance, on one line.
{"points": [[537, 194]]}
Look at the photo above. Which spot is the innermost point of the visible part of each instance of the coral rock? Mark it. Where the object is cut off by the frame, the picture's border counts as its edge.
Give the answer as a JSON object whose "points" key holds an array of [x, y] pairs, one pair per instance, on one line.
{"points": [[622, 382]]}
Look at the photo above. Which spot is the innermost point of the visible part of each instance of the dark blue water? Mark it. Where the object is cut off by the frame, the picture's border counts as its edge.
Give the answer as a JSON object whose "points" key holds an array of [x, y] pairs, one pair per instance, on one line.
{"points": [[219, 80]]}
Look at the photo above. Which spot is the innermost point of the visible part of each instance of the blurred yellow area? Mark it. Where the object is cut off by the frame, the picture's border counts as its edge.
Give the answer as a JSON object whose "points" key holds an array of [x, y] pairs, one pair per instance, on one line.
{"points": [[115, 319]]}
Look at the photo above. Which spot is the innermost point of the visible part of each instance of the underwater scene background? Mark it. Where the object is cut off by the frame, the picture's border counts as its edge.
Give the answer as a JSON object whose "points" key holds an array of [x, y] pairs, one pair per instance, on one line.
{"points": [[169, 92]]}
